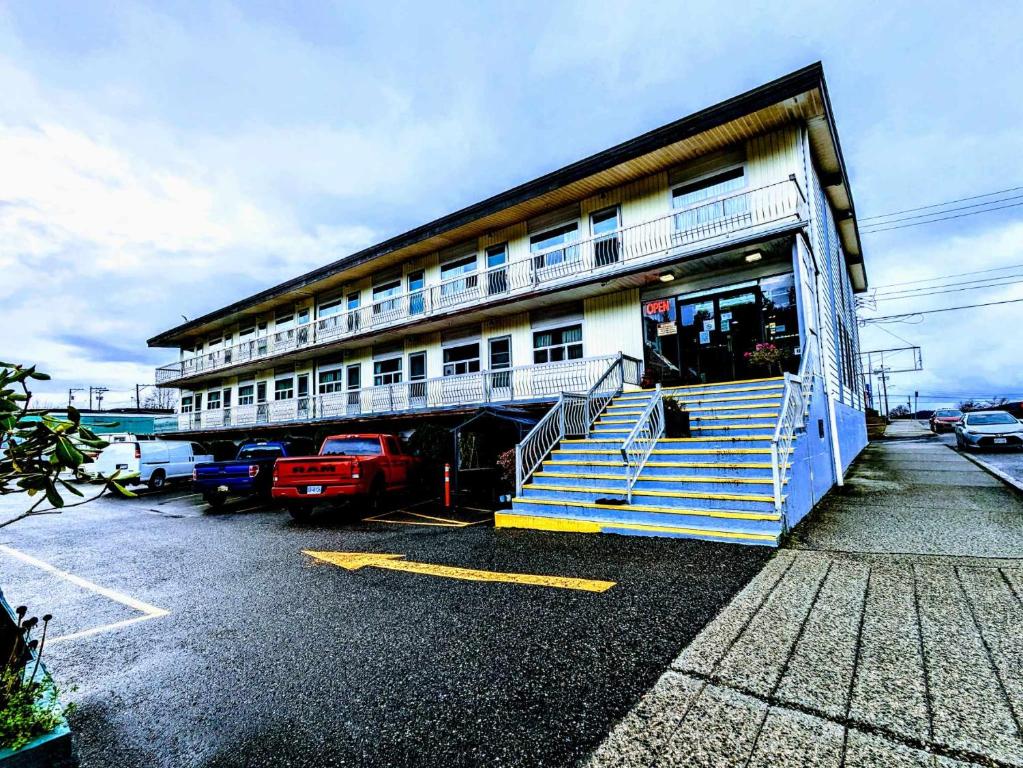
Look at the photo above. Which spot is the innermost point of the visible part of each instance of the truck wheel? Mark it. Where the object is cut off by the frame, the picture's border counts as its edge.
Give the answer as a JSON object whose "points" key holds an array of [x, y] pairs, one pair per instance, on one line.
{"points": [[157, 480], [299, 512], [375, 498], [214, 500]]}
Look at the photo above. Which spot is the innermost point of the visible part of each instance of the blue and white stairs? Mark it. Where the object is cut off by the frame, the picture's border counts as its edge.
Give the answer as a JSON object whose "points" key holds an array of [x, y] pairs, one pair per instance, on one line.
{"points": [[714, 485]]}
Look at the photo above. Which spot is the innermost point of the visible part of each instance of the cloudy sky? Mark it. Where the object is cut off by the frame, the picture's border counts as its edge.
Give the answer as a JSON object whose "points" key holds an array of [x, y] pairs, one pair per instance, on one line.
{"points": [[160, 160]]}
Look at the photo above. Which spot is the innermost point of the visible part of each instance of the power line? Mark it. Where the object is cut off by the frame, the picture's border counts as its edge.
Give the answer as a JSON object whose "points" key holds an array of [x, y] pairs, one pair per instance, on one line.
{"points": [[946, 277], [935, 221], [900, 297], [942, 213], [991, 279], [942, 205], [895, 318]]}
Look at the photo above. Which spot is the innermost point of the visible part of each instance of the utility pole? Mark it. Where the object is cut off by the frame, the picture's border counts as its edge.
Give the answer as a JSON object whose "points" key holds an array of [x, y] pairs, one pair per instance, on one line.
{"points": [[916, 403], [882, 374], [71, 394], [98, 392], [138, 396]]}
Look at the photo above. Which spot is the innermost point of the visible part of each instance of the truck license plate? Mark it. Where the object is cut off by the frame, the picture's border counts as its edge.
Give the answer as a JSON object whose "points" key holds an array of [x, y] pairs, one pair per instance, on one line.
{"points": [[314, 489], [1000, 441]]}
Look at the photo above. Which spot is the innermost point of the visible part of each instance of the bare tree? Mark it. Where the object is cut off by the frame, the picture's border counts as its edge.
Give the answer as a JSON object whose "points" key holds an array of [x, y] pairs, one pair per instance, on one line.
{"points": [[160, 397]]}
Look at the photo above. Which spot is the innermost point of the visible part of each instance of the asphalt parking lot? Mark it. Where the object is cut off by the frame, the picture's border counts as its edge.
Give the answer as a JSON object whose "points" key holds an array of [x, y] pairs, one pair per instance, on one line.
{"points": [[198, 639]]}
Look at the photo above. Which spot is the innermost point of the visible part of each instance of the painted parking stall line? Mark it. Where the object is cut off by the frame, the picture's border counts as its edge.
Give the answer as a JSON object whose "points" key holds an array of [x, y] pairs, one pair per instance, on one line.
{"points": [[353, 561], [148, 611]]}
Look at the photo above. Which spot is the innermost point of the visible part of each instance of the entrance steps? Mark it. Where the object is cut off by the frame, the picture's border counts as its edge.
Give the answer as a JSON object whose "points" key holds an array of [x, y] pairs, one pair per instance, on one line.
{"points": [[715, 485]]}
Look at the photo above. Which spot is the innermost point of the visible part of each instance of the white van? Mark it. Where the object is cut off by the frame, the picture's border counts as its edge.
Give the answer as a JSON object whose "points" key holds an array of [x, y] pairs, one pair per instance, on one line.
{"points": [[153, 462]]}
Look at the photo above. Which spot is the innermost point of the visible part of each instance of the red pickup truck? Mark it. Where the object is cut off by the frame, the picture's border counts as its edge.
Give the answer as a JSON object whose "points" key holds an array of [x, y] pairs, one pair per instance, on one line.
{"points": [[348, 467]]}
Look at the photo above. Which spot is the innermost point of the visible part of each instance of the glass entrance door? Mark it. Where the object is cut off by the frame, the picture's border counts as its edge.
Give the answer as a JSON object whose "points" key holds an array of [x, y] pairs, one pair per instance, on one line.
{"points": [[715, 332]]}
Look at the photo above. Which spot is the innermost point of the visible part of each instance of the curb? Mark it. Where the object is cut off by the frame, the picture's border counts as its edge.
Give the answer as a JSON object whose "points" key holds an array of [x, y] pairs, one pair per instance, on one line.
{"points": [[1009, 480]]}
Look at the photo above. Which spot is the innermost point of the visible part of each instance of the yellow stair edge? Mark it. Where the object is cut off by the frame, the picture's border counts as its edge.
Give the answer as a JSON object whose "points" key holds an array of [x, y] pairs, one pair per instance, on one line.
{"points": [[657, 493], [727, 514], [571, 525], [672, 464], [760, 414], [617, 404], [660, 479], [578, 440], [754, 407], [677, 451]]}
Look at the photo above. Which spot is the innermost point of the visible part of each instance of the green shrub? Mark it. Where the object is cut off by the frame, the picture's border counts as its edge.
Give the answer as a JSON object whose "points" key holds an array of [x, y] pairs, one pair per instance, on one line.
{"points": [[28, 709]]}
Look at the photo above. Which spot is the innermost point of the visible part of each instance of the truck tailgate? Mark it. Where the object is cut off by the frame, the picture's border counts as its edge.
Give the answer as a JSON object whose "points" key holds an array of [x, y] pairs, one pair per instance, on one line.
{"points": [[313, 470]]}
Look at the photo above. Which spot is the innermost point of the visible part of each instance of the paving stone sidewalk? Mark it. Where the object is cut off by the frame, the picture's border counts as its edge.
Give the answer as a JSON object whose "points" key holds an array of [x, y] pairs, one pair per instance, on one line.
{"points": [[889, 634]]}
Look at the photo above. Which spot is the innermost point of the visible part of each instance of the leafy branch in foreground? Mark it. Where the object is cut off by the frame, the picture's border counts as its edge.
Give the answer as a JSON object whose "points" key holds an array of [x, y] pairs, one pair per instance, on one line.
{"points": [[34, 453]]}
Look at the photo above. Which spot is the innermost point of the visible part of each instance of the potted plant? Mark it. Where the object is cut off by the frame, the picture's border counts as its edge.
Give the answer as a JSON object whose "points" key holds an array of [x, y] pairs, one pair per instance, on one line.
{"points": [[766, 355], [33, 729], [676, 418]]}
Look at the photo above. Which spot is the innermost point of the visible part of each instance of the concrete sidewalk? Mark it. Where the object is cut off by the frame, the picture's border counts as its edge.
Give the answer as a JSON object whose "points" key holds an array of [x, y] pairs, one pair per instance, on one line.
{"points": [[889, 634]]}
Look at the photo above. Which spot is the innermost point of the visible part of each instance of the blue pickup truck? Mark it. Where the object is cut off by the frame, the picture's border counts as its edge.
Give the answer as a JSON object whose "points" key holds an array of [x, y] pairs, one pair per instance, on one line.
{"points": [[250, 473]]}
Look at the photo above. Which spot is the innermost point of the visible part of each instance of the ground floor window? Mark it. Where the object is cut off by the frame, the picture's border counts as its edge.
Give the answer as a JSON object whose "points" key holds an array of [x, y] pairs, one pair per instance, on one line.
{"points": [[213, 400], [464, 358], [186, 404], [387, 372], [556, 344], [246, 394], [330, 381]]}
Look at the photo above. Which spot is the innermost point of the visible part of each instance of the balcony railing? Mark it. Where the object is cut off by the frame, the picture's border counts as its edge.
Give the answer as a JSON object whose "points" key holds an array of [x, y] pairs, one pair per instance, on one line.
{"points": [[673, 234], [527, 382]]}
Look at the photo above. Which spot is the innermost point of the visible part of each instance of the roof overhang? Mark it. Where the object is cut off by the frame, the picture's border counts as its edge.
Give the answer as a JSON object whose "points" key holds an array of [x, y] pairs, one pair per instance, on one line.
{"points": [[797, 97]]}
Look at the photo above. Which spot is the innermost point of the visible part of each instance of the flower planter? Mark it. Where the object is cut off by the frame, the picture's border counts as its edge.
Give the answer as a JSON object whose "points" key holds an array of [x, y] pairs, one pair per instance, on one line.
{"points": [[50, 749]]}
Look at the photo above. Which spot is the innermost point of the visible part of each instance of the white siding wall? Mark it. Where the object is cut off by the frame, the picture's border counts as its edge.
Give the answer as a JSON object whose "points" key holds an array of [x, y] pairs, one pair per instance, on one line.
{"points": [[613, 324]]}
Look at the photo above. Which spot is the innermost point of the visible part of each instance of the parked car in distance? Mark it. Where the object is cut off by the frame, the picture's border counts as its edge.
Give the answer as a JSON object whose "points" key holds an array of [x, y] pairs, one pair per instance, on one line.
{"points": [[363, 467], [945, 419], [249, 473], [153, 462], [989, 429]]}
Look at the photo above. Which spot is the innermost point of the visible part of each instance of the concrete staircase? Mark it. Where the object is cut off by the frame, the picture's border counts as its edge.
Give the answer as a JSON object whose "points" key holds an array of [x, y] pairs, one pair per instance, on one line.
{"points": [[714, 485]]}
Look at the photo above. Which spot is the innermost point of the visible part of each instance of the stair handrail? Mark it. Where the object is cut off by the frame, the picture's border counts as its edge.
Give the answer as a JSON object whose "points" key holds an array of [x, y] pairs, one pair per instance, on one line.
{"points": [[572, 416], [637, 447], [795, 409]]}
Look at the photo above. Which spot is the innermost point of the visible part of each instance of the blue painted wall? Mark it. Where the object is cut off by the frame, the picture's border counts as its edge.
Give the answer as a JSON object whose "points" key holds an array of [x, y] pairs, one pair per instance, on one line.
{"points": [[813, 468], [852, 432]]}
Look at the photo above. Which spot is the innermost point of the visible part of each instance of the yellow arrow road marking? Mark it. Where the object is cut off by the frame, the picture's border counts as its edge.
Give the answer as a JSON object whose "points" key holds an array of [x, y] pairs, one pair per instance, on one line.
{"points": [[352, 561]]}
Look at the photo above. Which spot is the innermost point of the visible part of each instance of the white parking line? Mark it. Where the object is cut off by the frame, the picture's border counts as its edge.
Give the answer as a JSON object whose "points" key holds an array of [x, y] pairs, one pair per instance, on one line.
{"points": [[148, 611]]}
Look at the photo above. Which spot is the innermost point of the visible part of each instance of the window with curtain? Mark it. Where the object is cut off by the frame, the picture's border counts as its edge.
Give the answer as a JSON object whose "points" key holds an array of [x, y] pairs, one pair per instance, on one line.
{"points": [[387, 371], [710, 200], [556, 344], [330, 381], [385, 297], [545, 246], [464, 270], [246, 394]]}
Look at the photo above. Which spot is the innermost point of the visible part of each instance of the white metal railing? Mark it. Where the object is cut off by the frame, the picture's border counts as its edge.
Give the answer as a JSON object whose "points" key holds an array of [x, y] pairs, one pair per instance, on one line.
{"points": [[673, 233], [572, 416], [795, 408], [638, 445], [527, 382]]}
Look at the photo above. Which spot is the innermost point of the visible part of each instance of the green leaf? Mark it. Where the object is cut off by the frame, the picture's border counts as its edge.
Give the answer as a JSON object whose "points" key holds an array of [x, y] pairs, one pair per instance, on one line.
{"points": [[34, 374], [53, 497], [71, 488], [68, 454], [73, 415], [120, 490]]}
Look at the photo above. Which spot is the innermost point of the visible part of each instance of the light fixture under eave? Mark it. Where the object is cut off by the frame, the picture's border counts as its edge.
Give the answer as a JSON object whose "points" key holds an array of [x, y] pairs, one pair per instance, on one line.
{"points": [[666, 277], [755, 256]]}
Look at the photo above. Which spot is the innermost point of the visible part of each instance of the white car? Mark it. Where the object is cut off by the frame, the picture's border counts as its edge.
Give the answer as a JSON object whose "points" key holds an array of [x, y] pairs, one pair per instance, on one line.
{"points": [[152, 462], [988, 429]]}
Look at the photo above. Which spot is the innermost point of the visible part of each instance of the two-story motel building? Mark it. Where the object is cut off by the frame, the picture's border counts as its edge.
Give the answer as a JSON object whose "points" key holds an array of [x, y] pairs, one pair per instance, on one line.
{"points": [[675, 252]]}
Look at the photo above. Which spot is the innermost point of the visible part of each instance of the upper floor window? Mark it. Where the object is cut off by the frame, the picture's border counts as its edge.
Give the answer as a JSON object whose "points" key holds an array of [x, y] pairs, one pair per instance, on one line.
{"points": [[457, 276], [213, 400], [246, 393], [284, 319], [546, 246], [555, 344], [186, 404], [607, 242], [331, 306], [710, 199], [497, 268], [384, 297], [465, 358]]}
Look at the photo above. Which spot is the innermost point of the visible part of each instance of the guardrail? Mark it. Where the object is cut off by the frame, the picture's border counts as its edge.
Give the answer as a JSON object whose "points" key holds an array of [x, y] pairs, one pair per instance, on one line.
{"points": [[572, 416], [795, 407], [673, 233], [638, 445], [526, 382]]}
